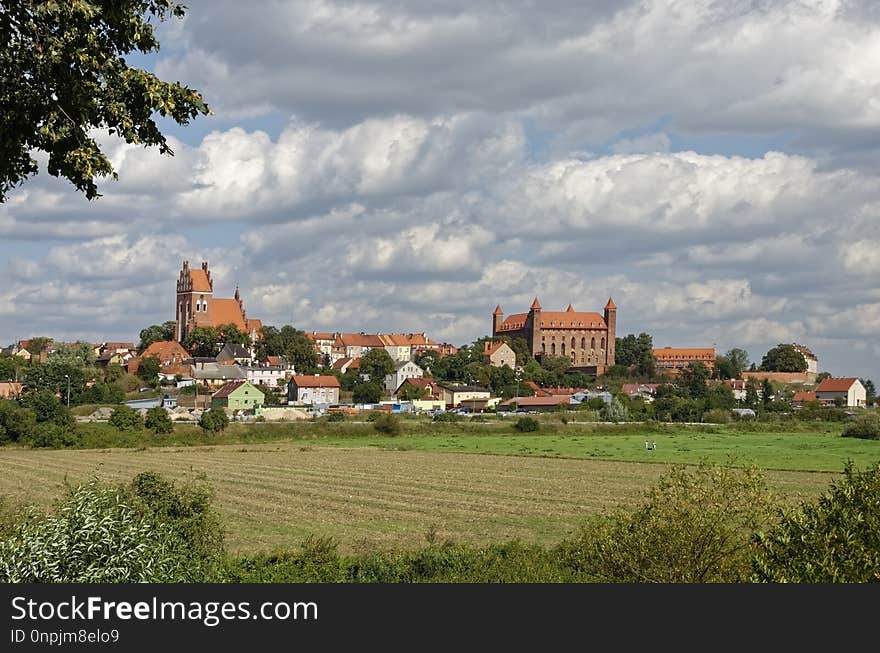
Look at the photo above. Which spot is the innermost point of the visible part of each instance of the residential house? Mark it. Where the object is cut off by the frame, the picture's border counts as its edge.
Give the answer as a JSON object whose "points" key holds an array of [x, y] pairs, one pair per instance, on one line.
{"points": [[323, 342], [803, 396], [499, 354], [168, 353], [116, 348], [344, 364], [397, 346], [402, 370], [10, 390], [235, 354], [313, 389], [431, 390], [552, 402], [238, 395], [468, 395], [643, 390], [273, 377], [849, 389], [738, 386], [17, 350], [216, 375], [810, 357], [355, 345], [279, 361]]}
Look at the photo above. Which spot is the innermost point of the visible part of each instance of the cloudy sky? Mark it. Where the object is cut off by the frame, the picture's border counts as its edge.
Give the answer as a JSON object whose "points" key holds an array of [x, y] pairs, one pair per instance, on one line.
{"points": [[714, 165]]}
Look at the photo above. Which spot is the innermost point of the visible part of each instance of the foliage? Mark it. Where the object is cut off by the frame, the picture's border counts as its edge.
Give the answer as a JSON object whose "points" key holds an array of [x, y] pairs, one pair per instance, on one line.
{"points": [[693, 380], [50, 435], [48, 408], [427, 360], [695, 526], [148, 369], [636, 352], [156, 333], [214, 420], [833, 540], [290, 343], [614, 411], [527, 425], [17, 424], [65, 74], [377, 364], [410, 392], [367, 393], [158, 420], [126, 418], [150, 531], [732, 364], [447, 416], [865, 426], [202, 341], [335, 416], [752, 398], [387, 424], [783, 358], [717, 416], [870, 391], [102, 393]]}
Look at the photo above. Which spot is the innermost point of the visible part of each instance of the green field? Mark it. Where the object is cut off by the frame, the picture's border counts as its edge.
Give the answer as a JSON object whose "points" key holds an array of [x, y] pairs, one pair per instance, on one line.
{"points": [[276, 484]]}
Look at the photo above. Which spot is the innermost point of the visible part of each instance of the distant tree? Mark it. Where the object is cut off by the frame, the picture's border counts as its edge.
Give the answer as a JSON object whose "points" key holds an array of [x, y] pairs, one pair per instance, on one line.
{"points": [[229, 334], [113, 372], [693, 380], [156, 333], [38, 345], [214, 420], [66, 76], [521, 348], [766, 392], [17, 423], [870, 391], [126, 418], [292, 344], [739, 360], [720, 397], [8, 368], [79, 354], [614, 411], [784, 358], [47, 408], [157, 420], [367, 393], [427, 360], [411, 392], [822, 376], [148, 369], [555, 368], [377, 364], [636, 352], [202, 341], [751, 400]]}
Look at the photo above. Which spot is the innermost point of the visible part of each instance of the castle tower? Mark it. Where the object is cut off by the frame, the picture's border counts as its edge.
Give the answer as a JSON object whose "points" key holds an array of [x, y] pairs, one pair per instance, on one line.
{"points": [[534, 322], [497, 319], [611, 322], [195, 290]]}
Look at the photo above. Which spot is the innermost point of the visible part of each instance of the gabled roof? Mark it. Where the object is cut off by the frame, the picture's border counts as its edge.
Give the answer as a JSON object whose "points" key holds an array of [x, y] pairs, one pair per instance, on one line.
{"points": [[490, 348], [217, 371], [557, 320], [676, 352], [227, 311], [231, 350], [315, 381], [842, 384], [166, 351], [536, 305], [360, 340], [804, 395], [200, 281], [426, 382], [228, 389]]}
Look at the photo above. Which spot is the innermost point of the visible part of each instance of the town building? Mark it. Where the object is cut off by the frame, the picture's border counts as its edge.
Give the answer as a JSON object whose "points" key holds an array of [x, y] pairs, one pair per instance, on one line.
{"points": [[588, 339], [464, 395], [849, 390], [430, 389], [168, 352], [238, 395], [235, 354], [10, 389], [402, 370], [196, 305], [809, 356], [313, 389], [499, 354], [268, 375], [674, 359], [216, 375]]}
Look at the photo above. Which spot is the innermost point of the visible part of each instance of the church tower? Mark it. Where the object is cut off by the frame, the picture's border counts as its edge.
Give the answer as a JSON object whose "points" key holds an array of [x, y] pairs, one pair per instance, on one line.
{"points": [[195, 290], [611, 323]]}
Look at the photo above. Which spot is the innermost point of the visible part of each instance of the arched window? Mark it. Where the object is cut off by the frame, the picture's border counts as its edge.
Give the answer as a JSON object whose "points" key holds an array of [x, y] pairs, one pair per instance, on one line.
{"points": [[573, 345], [562, 349], [543, 348], [603, 343], [583, 343], [552, 348], [592, 343], [198, 306]]}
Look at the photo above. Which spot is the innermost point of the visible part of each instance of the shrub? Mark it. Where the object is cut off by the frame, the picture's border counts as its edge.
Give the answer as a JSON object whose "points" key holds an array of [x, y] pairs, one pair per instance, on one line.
{"points": [[717, 416], [388, 424], [695, 527], [17, 424], [866, 426], [335, 417], [447, 417], [126, 418], [614, 411], [49, 435], [834, 540], [158, 420], [116, 534], [526, 424], [214, 420]]}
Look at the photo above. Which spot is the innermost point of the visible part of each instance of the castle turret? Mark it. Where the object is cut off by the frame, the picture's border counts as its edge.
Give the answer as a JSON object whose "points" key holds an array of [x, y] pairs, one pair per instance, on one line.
{"points": [[611, 322], [497, 319], [534, 321]]}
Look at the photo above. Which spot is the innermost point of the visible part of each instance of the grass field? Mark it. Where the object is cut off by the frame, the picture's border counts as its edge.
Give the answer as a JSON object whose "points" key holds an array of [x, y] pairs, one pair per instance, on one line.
{"points": [[273, 495]]}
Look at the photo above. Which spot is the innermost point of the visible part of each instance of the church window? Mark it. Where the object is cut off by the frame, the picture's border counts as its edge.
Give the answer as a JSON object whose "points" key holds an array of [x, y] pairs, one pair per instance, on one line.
{"points": [[583, 343], [572, 344], [198, 306], [552, 348], [603, 343], [563, 349], [592, 343]]}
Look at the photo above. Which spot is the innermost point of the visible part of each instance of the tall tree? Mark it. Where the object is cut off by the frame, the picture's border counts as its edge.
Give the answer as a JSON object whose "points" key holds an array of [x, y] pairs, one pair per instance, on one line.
{"points": [[156, 333], [784, 358], [693, 380], [64, 74], [202, 341], [870, 391], [377, 364], [739, 359], [290, 343]]}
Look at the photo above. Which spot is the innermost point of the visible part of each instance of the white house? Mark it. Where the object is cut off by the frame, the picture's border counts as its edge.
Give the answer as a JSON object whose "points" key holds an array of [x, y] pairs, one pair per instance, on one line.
{"points": [[271, 376], [403, 370], [849, 389], [315, 389], [499, 354]]}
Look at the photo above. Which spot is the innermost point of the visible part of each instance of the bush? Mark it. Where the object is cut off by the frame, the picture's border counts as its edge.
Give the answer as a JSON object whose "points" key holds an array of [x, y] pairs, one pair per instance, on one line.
{"points": [[116, 534], [695, 527], [126, 418], [447, 416], [49, 435], [17, 424], [388, 424], [335, 417], [214, 420], [614, 411], [717, 416], [866, 426], [834, 540], [526, 424], [158, 420]]}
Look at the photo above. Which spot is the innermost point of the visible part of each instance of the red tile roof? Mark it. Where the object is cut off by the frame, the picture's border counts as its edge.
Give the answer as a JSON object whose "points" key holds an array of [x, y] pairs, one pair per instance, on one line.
{"points": [[200, 281], [490, 348], [836, 385], [167, 351], [804, 395], [679, 353], [557, 320], [611, 305], [316, 381], [226, 311], [527, 402]]}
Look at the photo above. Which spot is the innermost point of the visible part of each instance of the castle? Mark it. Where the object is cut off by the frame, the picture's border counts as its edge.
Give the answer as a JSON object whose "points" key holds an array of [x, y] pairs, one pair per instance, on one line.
{"points": [[586, 338], [197, 306]]}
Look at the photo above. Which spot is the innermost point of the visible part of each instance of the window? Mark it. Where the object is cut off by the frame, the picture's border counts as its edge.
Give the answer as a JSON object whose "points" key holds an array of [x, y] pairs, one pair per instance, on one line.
{"points": [[592, 343], [553, 349], [583, 343], [572, 345], [603, 343], [562, 349]]}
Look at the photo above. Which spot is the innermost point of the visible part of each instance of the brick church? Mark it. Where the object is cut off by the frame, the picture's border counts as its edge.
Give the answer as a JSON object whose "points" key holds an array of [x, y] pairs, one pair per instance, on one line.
{"points": [[197, 306], [586, 338]]}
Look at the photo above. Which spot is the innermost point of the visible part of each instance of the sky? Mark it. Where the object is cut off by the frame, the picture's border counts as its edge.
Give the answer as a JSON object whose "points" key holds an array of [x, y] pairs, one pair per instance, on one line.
{"points": [[406, 165]]}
